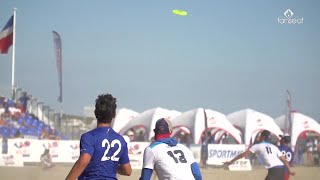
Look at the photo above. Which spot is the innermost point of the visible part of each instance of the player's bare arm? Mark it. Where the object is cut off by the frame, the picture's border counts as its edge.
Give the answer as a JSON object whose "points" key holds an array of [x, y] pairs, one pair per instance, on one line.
{"points": [[244, 154], [125, 169], [79, 166], [286, 163]]}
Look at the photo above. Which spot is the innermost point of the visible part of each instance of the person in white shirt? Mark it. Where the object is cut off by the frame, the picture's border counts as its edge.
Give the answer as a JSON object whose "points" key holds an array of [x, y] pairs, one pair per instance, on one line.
{"points": [[275, 161], [169, 159]]}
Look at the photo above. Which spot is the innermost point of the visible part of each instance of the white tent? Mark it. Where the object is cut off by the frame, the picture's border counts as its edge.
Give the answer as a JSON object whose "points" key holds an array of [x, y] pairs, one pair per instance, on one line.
{"points": [[194, 120], [300, 123], [251, 122], [122, 118], [148, 118]]}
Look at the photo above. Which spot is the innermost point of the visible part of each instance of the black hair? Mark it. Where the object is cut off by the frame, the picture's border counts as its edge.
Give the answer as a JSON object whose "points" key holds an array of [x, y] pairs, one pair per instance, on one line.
{"points": [[286, 139], [105, 109], [266, 135]]}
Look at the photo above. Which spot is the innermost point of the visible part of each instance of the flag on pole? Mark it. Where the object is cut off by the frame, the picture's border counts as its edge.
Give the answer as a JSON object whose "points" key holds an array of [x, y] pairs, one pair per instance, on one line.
{"points": [[6, 37], [57, 46]]}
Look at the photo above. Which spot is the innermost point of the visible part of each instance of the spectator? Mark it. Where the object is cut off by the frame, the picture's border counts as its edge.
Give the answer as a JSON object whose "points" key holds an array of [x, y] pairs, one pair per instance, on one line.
{"points": [[23, 100], [4, 145], [204, 149], [315, 151], [130, 134], [46, 160], [310, 159], [140, 136]]}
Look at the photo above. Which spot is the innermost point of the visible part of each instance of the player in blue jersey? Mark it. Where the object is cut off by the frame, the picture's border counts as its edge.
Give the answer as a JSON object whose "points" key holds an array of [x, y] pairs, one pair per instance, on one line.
{"points": [[287, 152], [169, 159], [103, 152]]}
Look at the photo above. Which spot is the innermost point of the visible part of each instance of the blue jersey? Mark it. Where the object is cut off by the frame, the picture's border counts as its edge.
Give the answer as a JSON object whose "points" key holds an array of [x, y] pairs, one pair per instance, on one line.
{"points": [[107, 148], [287, 152]]}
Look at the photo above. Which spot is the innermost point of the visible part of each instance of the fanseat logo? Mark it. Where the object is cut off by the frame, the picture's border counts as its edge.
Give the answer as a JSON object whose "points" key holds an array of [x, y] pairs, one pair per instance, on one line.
{"points": [[288, 13], [288, 18]]}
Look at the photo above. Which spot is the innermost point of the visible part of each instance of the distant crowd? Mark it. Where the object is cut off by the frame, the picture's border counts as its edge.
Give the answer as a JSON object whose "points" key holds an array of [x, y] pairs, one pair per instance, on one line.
{"points": [[16, 122]]}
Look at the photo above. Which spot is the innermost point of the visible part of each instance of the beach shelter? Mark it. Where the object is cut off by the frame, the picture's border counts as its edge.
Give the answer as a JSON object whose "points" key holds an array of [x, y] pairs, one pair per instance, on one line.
{"points": [[300, 124], [194, 121], [251, 122], [122, 118], [147, 120]]}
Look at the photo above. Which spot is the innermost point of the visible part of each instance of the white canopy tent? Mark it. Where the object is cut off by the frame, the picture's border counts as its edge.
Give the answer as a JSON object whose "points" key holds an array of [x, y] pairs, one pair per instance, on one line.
{"points": [[251, 122], [148, 118], [194, 120], [122, 118], [300, 123]]}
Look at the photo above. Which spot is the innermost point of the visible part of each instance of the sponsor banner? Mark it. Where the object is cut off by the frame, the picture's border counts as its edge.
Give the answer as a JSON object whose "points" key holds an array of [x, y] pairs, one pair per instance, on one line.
{"points": [[196, 150], [62, 151], [31, 150], [219, 153], [0, 146], [71, 151], [11, 160], [241, 165], [135, 150]]}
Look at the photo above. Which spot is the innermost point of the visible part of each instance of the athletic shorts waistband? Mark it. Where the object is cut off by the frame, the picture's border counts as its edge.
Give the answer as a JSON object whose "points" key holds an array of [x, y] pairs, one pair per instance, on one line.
{"points": [[276, 167]]}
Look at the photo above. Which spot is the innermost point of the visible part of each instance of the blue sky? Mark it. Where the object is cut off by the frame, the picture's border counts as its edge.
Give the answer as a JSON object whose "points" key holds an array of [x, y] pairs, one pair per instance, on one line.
{"points": [[225, 55]]}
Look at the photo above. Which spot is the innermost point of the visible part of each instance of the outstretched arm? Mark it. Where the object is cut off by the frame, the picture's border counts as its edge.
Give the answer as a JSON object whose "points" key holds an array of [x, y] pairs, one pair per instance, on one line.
{"points": [[244, 154]]}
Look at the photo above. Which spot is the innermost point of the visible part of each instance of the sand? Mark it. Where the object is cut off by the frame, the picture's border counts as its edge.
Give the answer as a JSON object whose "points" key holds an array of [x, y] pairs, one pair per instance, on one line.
{"points": [[60, 172]]}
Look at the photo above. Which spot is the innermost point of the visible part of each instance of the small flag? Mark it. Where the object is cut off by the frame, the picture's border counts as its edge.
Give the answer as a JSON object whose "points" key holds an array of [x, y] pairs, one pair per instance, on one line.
{"points": [[6, 37]]}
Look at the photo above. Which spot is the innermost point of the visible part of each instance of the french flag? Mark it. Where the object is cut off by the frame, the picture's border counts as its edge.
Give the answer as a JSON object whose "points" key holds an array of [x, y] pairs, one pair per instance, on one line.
{"points": [[6, 37]]}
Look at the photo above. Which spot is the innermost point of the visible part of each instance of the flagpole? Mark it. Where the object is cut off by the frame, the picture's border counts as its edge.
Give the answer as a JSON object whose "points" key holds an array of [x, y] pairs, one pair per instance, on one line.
{"points": [[289, 112], [13, 54]]}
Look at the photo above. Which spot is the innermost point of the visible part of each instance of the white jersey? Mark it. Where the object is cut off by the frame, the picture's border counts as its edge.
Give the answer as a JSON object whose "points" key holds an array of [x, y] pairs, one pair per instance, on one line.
{"points": [[270, 153], [170, 163]]}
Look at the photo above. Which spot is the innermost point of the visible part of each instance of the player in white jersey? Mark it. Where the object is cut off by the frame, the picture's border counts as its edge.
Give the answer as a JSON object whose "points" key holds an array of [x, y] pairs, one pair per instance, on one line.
{"points": [[170, 160], [274, 159]]}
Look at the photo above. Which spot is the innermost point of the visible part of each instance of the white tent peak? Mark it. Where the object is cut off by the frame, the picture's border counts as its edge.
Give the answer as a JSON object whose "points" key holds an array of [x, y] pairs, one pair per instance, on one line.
{"points": [[251, 122], [194, 120], [300, 123], [123, 116], [148, 118]]}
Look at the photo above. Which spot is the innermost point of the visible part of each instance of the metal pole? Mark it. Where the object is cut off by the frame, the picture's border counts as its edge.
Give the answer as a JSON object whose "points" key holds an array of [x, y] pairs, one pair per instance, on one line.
{"points": [[13, 54], [289, 129]]}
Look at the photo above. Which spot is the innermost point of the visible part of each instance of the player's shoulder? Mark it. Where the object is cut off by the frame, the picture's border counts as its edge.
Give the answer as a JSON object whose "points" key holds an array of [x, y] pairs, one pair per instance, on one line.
{"points": [[88, 134], [182, 146], [155, 144], [116, 135]]}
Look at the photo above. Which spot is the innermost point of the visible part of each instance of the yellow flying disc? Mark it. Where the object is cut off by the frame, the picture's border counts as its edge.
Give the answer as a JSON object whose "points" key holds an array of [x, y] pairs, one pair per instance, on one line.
{"points": [[179, 12]]}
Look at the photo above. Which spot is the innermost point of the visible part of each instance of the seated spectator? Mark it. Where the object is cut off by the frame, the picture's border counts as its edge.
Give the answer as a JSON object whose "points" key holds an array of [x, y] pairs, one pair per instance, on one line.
{"points": [[46, 160]]}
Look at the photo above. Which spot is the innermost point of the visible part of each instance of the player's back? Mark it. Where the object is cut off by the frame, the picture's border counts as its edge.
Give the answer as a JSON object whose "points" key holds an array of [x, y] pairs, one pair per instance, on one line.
{"points": [[270, 153], [172, 162], [287, 152], [107, 149]]}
